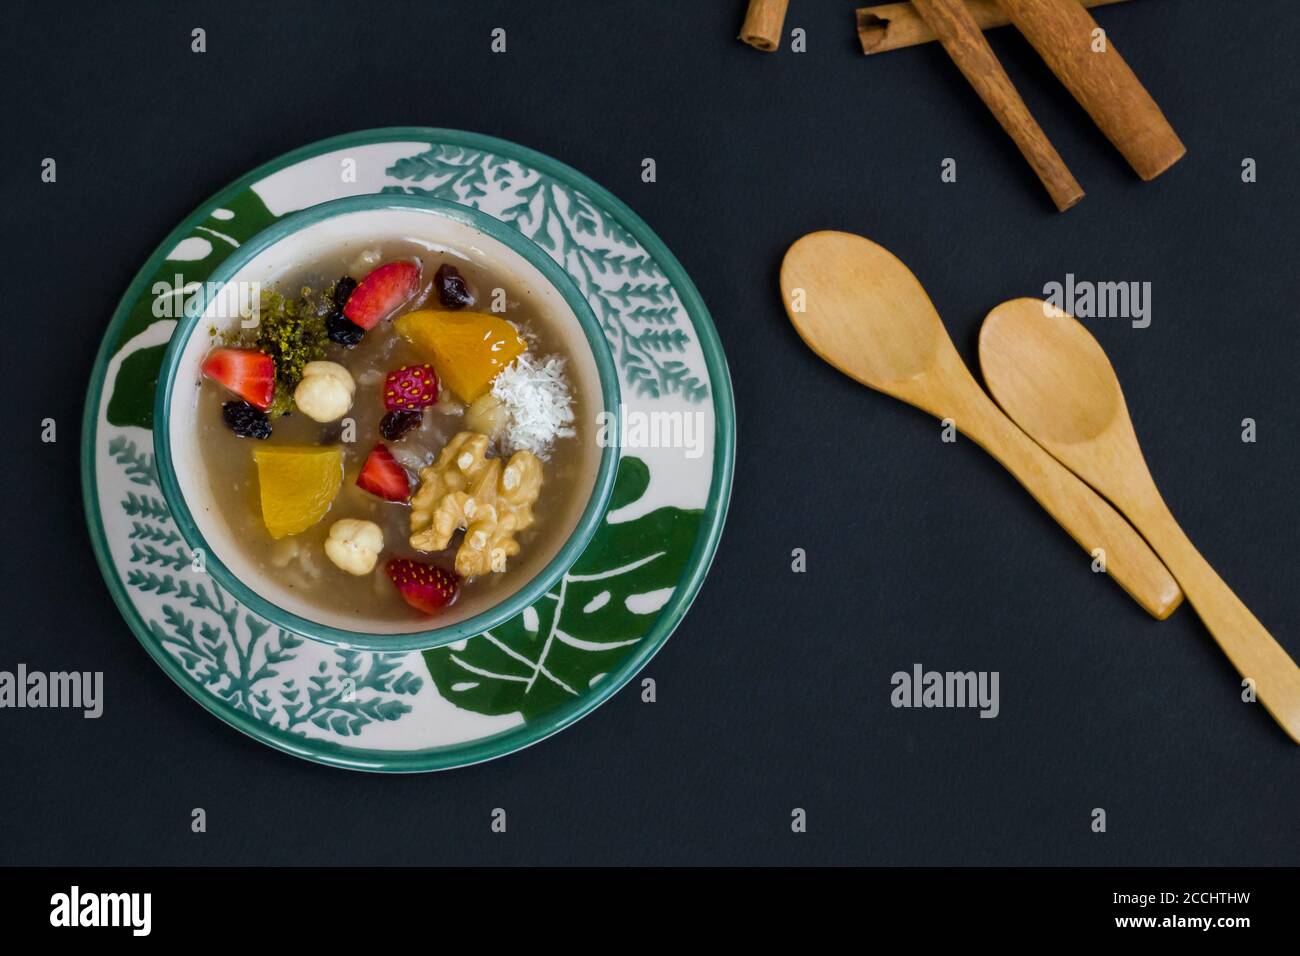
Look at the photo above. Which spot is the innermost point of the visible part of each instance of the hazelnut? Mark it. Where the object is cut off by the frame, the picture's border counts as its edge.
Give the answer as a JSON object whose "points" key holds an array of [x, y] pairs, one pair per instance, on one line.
{"points": [[354, 545], [325, 392]]}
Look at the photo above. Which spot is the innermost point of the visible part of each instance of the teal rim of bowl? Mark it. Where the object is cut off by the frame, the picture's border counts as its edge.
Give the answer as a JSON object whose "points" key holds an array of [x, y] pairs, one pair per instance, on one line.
{"points": [[426, 638]]}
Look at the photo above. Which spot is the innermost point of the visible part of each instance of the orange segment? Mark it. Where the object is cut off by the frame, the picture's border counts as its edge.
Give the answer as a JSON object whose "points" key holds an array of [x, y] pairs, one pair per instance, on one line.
{"points": [[298, 485], [467, 349]]}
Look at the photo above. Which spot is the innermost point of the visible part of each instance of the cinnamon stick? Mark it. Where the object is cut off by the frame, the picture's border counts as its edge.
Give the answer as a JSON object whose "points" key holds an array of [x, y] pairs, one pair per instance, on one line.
{"points": [[1062, 32], [762, 26], [960, 35], [892, 26]]}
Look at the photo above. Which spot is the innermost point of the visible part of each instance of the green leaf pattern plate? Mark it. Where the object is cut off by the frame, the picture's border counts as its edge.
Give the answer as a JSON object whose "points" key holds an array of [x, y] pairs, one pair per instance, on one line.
{"points": [[558, 660]]}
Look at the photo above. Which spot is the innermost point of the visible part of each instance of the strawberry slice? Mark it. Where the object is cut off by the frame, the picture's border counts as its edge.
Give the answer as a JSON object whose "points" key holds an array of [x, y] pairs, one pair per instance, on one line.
{"points": [[248, 373], [382, 293], [381, 475], [411, 386], [426, 587]]}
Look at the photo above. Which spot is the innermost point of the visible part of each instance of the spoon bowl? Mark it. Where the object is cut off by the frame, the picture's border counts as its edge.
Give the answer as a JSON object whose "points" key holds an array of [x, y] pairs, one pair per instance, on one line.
{"points": [[1066, 388], [863, 310]]}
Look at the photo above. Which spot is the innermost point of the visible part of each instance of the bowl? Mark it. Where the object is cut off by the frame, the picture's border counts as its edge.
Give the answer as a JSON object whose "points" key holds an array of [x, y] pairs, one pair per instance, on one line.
{"points": [[300, 237]]}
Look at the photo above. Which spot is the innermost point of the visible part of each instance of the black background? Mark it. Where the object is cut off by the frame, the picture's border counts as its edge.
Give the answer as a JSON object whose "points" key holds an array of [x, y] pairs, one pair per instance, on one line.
{"points": [[774, 692]]}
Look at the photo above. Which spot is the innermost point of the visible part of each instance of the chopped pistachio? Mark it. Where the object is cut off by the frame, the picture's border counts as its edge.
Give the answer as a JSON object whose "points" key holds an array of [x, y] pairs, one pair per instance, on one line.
{"points": [[292, 332]]}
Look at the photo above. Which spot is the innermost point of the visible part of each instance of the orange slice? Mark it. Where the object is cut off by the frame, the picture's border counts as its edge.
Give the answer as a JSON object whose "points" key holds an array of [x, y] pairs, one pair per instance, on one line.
{"points": [[467, 349], [298, 485]]}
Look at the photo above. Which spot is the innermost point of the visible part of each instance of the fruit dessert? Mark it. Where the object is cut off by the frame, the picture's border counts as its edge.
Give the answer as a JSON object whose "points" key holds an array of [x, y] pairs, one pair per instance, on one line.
{"points": [[384, 443]]}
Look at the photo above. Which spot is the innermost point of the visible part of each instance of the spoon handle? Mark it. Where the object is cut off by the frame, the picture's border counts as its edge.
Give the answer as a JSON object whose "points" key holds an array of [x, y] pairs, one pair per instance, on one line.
{"points": [[1251, 648], [1084, 514]]}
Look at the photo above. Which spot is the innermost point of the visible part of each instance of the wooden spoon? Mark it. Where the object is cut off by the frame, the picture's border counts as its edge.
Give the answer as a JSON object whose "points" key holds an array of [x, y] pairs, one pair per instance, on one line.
{"points": [[1052, 377], [862, 311]]}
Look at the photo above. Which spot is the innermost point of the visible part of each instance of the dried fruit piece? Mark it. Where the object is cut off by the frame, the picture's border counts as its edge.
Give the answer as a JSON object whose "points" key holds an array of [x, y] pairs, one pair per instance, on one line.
{"points": [[382, 476], [297, 485], [338, 326], [382, 293], [245, 420], [398, 422], [453, 291], [341, 291], [426, 587], [468, 349], [343, 331], [248, 373], [411, 386]]}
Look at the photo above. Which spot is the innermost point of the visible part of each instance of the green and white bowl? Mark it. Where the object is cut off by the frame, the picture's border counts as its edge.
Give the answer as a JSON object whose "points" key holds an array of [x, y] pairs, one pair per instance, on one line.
{"points": [[358, 222], [558, 659]]}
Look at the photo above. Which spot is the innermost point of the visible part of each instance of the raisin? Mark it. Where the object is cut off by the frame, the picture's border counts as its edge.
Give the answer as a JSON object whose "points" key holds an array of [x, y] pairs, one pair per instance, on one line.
{"points": [[398, 422], [342, 291], [245, 420], [342, 330], [453, 290]]}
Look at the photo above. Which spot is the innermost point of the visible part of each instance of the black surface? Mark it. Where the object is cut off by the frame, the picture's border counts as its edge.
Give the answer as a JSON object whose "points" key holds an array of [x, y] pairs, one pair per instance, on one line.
{"points": [[774, 692]]}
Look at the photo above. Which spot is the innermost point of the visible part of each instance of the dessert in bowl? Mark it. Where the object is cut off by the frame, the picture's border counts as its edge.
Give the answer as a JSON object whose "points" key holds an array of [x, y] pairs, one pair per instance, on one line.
{"points": [[387, 422]]}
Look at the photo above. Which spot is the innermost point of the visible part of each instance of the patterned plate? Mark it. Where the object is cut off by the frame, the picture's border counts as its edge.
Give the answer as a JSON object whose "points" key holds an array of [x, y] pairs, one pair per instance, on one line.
{"points": [[559, 659]]}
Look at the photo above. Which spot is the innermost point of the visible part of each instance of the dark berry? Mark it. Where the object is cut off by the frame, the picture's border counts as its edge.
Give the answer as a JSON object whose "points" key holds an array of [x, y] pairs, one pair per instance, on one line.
{"points": [[398, 422], [245, 420], [453, 290], [342, 291], [343, 331]]}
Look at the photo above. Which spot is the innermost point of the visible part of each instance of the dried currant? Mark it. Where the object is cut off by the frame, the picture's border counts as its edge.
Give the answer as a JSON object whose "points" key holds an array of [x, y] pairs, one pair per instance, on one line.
{"points": [[453, 290], [343, 331], [342, 291], [245, 420], [398, 422]]}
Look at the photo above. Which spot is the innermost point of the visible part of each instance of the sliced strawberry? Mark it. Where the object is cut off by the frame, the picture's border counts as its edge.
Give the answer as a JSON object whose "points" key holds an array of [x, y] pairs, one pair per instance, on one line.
{"points": [[381, 475], [382, 293], [411, 386], [426, 587], [248, 373]]}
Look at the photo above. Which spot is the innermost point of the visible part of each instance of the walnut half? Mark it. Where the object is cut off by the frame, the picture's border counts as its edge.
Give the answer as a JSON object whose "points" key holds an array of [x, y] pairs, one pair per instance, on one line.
{"points": [[464, 489]]}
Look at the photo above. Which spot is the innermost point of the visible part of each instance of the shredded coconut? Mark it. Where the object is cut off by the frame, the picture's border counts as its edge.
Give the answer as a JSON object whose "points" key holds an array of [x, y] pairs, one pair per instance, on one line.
{"points": [[536, 394]]}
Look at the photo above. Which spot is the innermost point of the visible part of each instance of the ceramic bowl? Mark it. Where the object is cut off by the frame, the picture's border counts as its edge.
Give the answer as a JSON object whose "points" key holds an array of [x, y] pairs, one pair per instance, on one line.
{"points": [[362, 221]]}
